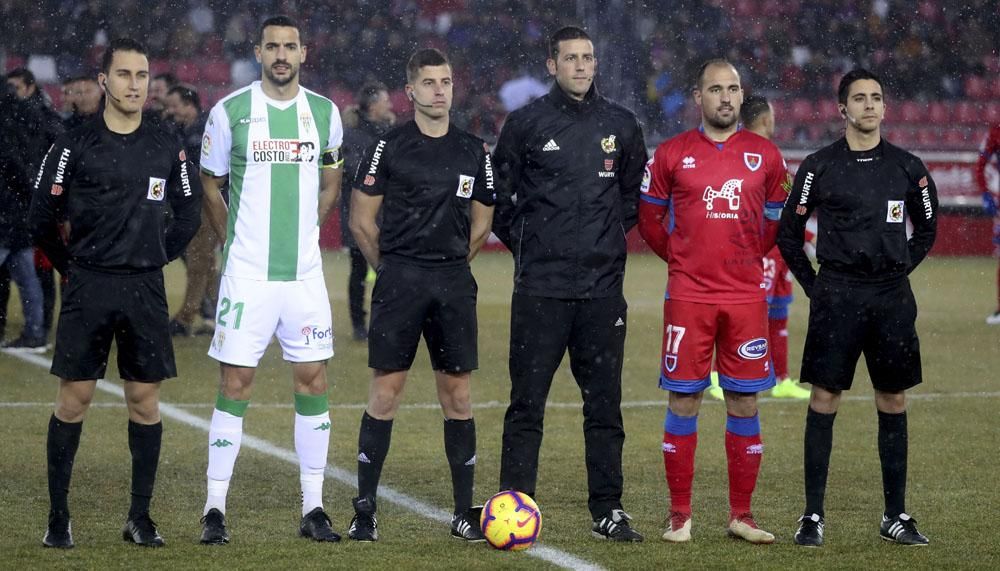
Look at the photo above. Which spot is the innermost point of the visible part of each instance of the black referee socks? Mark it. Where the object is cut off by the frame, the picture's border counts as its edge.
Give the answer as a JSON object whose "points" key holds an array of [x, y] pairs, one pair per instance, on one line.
{"points": [[818, 444], [460, 447], [373, 446], [144, 443], [61, 445], [892, 451]]}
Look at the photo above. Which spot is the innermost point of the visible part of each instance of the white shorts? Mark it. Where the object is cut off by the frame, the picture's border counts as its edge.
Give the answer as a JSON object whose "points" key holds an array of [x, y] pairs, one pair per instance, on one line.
{"points": [[250, 312]]}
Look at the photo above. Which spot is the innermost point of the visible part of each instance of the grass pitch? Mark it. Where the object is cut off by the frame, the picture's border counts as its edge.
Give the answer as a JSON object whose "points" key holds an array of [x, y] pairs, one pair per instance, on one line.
{"points": [[953, 454]]}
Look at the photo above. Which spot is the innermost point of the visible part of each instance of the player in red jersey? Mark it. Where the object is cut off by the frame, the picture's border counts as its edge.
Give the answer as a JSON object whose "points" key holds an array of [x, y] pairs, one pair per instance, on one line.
{"points": [[757, 116], [710, 207], [989, 158]]}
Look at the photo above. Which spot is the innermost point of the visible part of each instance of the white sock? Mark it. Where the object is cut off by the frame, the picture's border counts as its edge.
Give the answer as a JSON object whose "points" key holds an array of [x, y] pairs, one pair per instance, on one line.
{"points": [[312, 441], [224, 437]]}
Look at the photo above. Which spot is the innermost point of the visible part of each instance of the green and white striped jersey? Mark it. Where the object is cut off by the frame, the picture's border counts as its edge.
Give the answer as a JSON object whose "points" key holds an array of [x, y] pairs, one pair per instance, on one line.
{"points": [[273, 152]]}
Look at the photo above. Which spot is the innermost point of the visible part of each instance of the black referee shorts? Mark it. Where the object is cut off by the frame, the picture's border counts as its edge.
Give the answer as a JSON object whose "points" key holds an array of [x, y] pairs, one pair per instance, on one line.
{"points": [[131, 309], [438, 303], [848, 319]]}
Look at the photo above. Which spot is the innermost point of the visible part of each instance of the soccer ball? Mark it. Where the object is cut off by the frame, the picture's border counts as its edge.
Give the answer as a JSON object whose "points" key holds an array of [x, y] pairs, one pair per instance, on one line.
{"points": [[511, 521]]}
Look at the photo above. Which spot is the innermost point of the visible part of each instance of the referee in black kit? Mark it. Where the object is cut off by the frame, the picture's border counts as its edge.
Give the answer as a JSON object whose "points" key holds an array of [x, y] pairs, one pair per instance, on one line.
{"points": [[114, 180], [569, 167], [862, 189], [434, 186]]}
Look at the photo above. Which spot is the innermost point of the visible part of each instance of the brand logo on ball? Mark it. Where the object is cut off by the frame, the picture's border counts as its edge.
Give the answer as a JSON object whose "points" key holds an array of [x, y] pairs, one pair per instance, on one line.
{"points": [[752, 161], [753, 349]]}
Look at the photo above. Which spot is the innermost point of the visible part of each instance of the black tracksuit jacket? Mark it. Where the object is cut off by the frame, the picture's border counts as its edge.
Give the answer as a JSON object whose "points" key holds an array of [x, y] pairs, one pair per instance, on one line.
{"points": [[568, 176]]}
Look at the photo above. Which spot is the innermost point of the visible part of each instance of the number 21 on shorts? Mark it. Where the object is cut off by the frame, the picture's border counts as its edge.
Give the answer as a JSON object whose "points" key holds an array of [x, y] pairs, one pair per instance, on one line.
{"points": [[225, 306], [672, 337]]}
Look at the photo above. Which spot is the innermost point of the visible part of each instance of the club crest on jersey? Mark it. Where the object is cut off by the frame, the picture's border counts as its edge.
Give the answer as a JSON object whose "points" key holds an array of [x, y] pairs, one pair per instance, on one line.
{"points": [[670, 363], [752, 161], [608, 144], [894, 211], [306, 122], [753, 349], [609, 164], [157, 188], [465, 186]]}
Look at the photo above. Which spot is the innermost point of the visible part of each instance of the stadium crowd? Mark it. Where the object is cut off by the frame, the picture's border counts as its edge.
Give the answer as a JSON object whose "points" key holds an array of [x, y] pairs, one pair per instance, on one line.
{"points": [[649, 48]]}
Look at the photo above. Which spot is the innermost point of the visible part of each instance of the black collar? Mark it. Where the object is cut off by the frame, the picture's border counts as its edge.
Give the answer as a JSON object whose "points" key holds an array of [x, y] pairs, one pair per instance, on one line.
{"points": [[571, 106]]}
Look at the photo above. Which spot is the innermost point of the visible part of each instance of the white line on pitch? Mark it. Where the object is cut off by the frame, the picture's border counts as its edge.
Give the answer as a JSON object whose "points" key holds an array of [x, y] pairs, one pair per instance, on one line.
{"points": [[500, 404], [550, 554]]}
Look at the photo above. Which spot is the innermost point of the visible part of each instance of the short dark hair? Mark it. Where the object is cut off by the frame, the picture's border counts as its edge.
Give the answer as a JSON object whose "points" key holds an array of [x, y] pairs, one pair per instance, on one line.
{"points": [[120, 45], [426, 57], [278, 21], [753, 107], [855, 74], [368, 94], [563, 34], [24, 74], [707, 64], [169, 78], [187, 93]]}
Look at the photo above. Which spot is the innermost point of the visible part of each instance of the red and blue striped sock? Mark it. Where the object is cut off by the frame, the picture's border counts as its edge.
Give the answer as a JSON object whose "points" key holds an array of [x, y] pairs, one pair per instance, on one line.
{"points": [[743, 451], [680, 439]]}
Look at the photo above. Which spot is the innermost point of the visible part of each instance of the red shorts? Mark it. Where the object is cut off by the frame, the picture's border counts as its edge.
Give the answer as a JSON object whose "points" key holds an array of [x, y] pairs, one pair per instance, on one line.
{"points": [[737, 334]]}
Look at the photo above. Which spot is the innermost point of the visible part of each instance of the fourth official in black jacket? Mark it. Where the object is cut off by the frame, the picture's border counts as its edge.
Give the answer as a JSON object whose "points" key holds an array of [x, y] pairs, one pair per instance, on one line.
{"points": [[569, 167]]}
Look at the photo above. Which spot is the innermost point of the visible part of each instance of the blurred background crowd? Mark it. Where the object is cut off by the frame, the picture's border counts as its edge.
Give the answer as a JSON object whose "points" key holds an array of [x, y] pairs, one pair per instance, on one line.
{"points": [[939, 57]]}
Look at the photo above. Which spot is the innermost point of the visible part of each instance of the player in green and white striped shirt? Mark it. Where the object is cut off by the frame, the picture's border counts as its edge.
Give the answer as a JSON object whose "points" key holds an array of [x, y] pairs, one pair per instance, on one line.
{"points": [[279, 146]]}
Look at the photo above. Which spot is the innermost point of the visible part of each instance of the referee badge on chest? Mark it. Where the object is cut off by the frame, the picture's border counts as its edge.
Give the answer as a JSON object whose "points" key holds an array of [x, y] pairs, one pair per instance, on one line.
{"points": [[894, 212], [465, 186], [157, 189]]}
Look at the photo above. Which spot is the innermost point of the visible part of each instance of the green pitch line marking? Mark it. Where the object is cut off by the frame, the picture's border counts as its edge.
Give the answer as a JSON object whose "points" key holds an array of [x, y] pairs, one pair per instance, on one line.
{"points": [[549, 554]]}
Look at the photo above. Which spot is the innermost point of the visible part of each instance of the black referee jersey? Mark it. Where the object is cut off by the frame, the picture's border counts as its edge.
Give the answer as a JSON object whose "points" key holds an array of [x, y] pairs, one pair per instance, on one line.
{"points": [[862, 200], [426, 184], [131, 201]]}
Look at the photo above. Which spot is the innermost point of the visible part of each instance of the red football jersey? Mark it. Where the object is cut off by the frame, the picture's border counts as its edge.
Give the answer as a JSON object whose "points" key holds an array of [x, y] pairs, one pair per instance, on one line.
{"points": [[718, 195]]}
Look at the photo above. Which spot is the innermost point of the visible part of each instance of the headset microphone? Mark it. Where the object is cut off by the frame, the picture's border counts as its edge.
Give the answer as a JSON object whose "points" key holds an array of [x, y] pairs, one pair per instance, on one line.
{"points": [[414, 99], [849, 117], [108, 92]]}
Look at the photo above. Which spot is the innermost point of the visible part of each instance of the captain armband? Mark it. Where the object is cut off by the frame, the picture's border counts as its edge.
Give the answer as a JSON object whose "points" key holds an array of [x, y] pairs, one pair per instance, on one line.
{"points": [[331, 159]]}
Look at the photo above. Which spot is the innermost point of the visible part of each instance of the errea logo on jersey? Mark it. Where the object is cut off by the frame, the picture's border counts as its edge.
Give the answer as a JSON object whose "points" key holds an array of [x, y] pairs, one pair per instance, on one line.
{"points": [[688, 162], [282, 151]]}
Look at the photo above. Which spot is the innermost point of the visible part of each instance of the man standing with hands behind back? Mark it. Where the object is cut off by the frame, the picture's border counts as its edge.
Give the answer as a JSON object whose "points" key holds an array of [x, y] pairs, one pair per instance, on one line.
{"points": [[569, 168], [862, 189]]}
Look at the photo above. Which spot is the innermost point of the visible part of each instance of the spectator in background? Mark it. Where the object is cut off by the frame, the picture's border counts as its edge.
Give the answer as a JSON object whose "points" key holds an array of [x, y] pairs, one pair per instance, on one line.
{"points": [[31, 127], [989, 158], [158, 88], [183, 109], [85, 101], [363, 126]]}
